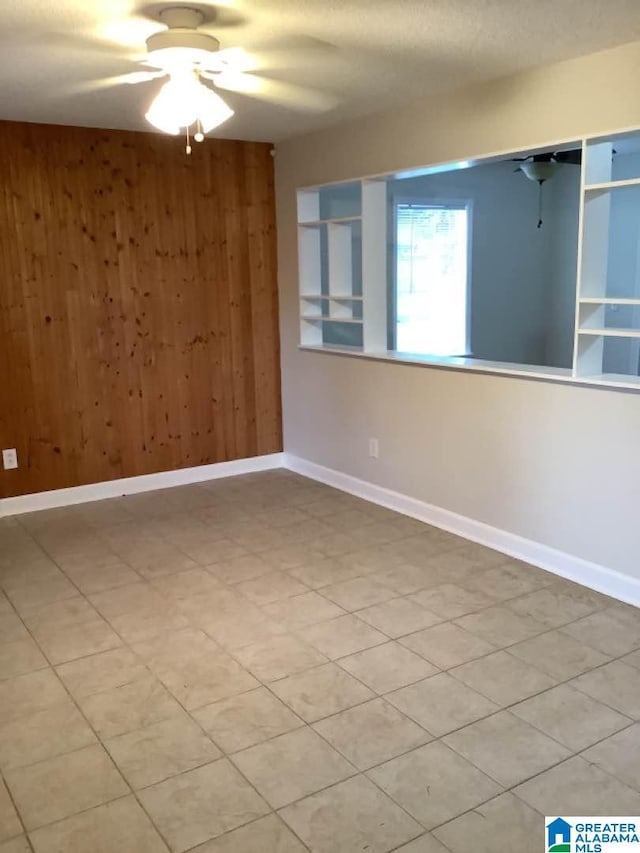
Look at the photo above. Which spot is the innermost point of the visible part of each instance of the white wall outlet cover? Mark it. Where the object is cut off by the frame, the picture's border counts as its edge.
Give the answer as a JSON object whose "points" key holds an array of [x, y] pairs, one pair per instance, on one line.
{"points": [[373, 448], [9, 458]]}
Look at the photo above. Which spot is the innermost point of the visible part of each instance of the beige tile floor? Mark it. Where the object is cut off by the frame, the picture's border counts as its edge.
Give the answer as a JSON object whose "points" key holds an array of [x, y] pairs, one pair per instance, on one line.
{"points": [[263, 664]]}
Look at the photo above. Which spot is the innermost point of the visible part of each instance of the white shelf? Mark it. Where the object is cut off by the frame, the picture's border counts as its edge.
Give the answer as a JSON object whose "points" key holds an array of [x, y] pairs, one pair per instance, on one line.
{"points": [[519, 371], [312, 296], [339, 220], [605, 186], [611, 333], [608, 300], [324, 318], [532, 371], [617, 380]]}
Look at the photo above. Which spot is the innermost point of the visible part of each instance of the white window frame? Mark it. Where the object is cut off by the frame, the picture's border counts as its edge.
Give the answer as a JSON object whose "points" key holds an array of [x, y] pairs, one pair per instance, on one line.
{"points": [[463, 203]]}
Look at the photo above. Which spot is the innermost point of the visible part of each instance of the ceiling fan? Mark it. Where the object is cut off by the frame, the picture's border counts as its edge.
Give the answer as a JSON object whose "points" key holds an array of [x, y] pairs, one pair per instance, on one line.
{"points": [[542, 167], [191, 59]]}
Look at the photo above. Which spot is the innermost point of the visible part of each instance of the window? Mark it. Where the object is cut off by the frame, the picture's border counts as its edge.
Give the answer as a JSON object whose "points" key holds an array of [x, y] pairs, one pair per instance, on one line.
{"points": [[432, 275]]}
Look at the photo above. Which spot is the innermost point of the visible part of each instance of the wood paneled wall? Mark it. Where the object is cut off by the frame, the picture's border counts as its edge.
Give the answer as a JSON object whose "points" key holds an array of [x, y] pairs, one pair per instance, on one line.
{"points": [[138, 304]]}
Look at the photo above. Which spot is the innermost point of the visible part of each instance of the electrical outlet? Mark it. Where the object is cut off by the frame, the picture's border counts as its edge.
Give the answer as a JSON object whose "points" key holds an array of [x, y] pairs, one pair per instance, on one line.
{"points": [[373, 448], [10, 458]]}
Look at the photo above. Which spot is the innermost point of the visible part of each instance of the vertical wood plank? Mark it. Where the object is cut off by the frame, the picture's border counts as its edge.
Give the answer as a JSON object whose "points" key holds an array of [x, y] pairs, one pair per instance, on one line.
{"points": [[138, 304]]}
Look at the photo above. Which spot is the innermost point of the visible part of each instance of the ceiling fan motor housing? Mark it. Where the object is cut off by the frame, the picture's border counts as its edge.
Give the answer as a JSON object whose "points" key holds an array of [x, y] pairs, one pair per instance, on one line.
{"points": [[182, 32]]}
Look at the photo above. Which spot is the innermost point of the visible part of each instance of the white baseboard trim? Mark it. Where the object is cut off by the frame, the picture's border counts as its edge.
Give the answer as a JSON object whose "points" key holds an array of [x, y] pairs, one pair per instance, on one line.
{"points": [[134, 485], [600, 578]]}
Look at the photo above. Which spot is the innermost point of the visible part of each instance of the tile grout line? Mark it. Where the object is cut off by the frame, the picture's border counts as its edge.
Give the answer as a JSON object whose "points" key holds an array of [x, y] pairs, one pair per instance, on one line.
{"points": [[104, 749], [305, 724], [438, 739], [227, 651], [358, 772], [434, 738], [223, 756]]}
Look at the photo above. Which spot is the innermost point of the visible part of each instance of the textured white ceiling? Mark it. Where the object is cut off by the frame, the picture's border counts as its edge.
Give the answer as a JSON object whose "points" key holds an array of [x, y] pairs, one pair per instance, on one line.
{"points": [[369, 54]]}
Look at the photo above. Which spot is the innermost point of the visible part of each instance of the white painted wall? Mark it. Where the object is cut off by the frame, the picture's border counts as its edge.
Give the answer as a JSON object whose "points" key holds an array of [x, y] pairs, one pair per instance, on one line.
{"points": [[557, 464]]}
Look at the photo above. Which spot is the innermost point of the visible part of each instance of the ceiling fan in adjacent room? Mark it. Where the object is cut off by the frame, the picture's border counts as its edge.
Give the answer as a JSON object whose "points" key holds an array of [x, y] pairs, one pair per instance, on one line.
{"points": [[542, 167], [191, 59]]}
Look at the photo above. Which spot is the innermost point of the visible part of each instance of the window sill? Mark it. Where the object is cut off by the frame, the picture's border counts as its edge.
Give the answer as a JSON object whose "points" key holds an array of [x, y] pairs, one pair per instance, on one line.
{"points": [[499, 368]]}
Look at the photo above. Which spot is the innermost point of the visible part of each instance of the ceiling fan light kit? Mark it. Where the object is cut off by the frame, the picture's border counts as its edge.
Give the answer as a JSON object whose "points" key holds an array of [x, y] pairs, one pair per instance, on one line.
{"points": [[539, 171], [184, 101]]}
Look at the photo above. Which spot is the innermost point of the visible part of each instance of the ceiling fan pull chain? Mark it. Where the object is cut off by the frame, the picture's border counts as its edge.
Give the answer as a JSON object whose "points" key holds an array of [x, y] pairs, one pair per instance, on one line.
{"points": [[188, 146], [540, 183]]}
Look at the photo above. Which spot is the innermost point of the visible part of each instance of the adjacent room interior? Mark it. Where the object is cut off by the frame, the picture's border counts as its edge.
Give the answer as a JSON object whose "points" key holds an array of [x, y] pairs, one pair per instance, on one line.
{"points": [[319, 418]]}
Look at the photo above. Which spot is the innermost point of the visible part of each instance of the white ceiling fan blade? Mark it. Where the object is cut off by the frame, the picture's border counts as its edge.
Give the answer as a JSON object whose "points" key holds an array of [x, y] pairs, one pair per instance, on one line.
{"points": [[132, 78], [275, 91], [128, 31], [271, 59], [289, 54], [136, 77], [233, 59]]}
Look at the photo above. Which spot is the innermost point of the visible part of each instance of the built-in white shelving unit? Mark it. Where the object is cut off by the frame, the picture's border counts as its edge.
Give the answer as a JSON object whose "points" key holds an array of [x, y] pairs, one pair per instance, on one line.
{"points": [[344, 263], [608, 306], [330, 258]]}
